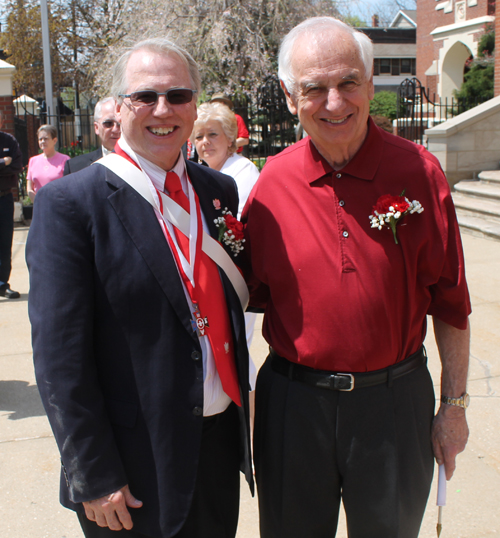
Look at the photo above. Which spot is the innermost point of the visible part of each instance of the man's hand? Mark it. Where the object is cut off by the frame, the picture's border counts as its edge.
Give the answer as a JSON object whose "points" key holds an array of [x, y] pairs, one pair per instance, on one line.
{"points": [[449, 436], [111, 510], [449, 429], [7, 160]]}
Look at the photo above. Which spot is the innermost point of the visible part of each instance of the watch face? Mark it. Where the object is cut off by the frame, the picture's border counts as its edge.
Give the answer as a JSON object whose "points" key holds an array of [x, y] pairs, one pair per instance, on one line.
{"points": [[466, 400]]}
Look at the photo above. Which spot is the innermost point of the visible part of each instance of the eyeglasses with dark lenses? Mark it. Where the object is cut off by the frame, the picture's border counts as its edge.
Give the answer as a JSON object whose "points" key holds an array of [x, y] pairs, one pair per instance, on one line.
{"points": [[108, 124], [175, 96]]}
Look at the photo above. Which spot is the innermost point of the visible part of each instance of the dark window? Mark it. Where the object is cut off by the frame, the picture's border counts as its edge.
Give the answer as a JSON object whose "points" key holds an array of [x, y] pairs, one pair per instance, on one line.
{"points": [[395, 66], [376, 67], [385, 66], [406, 65]]}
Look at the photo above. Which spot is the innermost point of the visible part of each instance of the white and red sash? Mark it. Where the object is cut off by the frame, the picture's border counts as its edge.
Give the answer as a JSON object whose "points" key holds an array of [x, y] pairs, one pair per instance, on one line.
{"points": [[178, 217]]}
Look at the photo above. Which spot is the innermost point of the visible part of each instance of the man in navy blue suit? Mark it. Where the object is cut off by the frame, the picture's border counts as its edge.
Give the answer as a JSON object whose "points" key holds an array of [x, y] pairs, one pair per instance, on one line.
{"points": [[150, 419], [107, 128]]}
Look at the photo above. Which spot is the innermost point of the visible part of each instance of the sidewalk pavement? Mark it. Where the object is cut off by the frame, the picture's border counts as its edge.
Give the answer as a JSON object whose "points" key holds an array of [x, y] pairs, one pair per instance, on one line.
{"points": [[29, 461]]}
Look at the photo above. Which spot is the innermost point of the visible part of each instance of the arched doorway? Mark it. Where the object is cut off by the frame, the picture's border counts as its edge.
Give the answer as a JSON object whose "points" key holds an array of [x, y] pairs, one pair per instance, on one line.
{"points": [[452, 74]]}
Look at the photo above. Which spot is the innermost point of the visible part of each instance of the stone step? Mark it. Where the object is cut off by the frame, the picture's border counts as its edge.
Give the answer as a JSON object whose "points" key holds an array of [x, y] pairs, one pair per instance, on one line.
{"points": [[479, 189], [477, 207], [478, 226], [490, 176]]}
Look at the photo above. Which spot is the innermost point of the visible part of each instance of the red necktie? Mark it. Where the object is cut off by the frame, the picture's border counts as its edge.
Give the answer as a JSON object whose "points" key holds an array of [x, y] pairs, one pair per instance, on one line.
{"points": [[209, 295]]}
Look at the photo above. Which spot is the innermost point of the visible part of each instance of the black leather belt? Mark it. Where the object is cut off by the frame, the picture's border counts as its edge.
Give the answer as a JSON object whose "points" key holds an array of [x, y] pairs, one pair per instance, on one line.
{"points": [[346, 381]]}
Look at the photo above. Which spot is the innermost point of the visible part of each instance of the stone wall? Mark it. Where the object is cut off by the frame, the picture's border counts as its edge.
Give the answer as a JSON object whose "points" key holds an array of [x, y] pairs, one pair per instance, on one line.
{"points": [[469, 143]]}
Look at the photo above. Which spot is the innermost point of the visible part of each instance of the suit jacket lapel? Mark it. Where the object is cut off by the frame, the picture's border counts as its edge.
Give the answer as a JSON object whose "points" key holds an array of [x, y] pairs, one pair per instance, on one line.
{"points": [[207, 192], [140, 222]]}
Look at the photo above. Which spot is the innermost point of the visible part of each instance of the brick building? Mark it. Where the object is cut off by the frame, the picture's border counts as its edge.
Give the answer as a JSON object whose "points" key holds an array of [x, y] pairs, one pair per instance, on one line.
{"points": [[448, 32], [497, 55]]}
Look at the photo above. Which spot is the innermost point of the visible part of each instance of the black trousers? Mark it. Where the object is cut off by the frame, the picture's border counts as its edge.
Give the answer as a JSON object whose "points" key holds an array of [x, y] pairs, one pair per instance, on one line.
{"points": [[370, 448], [6, 235], [215, 506]]}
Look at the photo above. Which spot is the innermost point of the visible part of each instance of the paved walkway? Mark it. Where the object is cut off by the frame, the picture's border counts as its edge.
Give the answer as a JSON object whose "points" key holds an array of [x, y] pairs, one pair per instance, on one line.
{"points": [[29, 462]]}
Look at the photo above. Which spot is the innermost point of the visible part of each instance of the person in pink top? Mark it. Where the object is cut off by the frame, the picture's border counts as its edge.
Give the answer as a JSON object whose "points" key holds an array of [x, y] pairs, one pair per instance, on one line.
{"points": [[47, 166]]}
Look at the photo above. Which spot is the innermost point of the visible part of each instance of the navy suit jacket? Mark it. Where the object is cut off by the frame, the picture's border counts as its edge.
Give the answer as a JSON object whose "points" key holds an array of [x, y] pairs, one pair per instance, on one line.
{"points": [[81, 161], [116, 359]]}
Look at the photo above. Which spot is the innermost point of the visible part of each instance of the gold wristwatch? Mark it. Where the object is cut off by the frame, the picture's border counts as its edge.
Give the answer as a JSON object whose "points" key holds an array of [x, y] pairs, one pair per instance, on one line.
{"points": [[462, 402]]}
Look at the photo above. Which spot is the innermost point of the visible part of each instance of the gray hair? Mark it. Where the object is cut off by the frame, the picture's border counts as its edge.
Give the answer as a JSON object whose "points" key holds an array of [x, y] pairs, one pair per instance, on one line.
{"points": [[98, 107], [159, 45], [49, 129], [221, 113], [320, 26]]}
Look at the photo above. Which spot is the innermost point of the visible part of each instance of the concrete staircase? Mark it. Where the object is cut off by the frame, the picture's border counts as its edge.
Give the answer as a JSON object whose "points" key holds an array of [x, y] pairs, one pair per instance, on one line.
{"points": [[478, 205]]}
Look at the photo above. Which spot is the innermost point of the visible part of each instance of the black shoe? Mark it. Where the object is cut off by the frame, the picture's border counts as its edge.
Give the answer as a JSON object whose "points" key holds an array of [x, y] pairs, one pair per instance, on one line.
{"points": [[6, 292]]}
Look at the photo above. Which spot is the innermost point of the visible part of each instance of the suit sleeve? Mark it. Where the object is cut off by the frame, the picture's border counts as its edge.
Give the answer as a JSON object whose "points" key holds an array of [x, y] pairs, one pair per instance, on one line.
{"points": [[59, 254], [66, 168], [16, 166]]}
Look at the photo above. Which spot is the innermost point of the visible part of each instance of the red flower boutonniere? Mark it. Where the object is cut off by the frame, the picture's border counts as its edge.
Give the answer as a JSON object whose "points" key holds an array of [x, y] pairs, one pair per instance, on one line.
{"points": [[390, 210], [230, 231]]}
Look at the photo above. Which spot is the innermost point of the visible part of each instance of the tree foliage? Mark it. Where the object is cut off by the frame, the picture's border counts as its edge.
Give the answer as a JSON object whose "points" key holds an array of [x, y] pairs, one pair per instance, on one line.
{"points": [[384, 104], [22, 43], [235, 42], [80, 31], [478, 85]]}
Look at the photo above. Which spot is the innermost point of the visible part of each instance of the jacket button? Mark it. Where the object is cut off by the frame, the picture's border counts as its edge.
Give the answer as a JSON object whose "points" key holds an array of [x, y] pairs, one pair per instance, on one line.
{"points": [[196, 355], [197, 411]]}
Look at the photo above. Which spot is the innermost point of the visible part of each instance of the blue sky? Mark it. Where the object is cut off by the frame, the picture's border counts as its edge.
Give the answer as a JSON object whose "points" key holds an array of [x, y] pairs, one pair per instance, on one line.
{"points": [[364, 9]]}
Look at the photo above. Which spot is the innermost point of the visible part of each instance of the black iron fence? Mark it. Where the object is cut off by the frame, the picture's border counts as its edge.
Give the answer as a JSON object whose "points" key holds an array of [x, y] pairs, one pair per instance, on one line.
{"points": [[271, 125], [417, 111], [269, 122], [75, 129]]}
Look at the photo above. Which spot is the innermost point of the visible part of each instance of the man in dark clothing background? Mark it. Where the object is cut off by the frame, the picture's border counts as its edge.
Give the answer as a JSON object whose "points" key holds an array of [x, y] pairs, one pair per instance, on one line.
{"points": [[11, 164]]}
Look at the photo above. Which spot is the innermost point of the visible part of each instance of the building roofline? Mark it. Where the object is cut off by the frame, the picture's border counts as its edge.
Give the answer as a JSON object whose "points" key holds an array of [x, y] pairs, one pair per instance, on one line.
{"points": [[407, 17]]}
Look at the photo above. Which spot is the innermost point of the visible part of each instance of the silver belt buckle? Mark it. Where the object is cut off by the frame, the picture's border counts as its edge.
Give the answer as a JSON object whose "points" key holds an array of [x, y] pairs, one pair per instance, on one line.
{"points": [[351, 377]]}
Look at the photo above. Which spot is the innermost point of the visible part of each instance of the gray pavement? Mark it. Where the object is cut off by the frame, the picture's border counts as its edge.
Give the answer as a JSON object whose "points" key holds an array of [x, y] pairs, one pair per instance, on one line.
{"points": [[29, 462]]}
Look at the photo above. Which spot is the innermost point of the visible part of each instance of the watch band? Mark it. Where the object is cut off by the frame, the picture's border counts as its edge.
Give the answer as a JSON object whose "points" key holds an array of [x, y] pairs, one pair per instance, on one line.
{"points": [[463, 401]]}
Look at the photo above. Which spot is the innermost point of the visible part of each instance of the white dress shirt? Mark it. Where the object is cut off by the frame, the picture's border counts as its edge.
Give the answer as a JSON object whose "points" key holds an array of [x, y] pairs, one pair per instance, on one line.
{"points": [[215, 399]]}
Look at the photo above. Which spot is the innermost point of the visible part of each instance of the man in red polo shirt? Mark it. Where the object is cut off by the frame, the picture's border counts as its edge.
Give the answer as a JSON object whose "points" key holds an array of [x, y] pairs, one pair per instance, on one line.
{"points": [[345, 403]]}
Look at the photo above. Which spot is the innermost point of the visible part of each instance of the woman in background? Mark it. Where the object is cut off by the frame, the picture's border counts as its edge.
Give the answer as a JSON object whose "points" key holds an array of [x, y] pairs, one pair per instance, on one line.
{"points": [[214, 135], [47, 166]]}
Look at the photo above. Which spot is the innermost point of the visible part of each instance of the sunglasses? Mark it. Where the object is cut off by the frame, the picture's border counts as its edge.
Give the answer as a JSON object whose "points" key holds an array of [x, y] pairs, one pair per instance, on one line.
{"points": [[175, 96], [108, 124]]}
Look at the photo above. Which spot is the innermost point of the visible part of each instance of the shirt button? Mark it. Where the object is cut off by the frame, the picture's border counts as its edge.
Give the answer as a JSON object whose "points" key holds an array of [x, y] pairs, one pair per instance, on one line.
{"points": [[197, 411], [345, 234], [339, 175], [196, 355], [341, 203]]}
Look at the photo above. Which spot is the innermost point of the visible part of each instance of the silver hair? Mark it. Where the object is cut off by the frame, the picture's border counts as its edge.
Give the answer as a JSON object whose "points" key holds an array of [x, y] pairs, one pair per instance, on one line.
{"points": [[221, 113], [159, 45], [49, 129], [315, 27], [98, 107]]}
